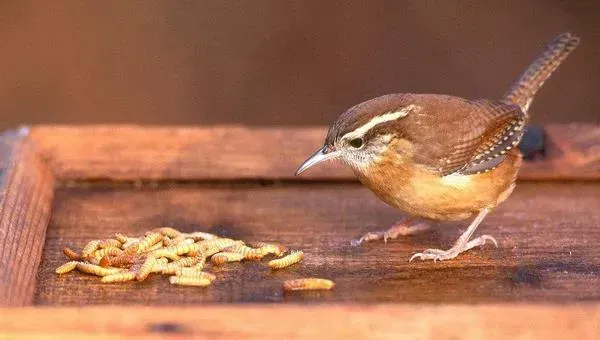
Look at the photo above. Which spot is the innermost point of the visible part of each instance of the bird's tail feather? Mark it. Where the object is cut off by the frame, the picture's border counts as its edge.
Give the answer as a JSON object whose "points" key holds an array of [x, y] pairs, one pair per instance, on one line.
{"points": [[523, 90]]}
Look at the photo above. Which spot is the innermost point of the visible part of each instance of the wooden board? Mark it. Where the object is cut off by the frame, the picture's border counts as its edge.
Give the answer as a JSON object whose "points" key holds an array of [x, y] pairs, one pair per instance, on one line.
{"points": [[547, 252], [389, 321], [224, 153], [239, 182]]}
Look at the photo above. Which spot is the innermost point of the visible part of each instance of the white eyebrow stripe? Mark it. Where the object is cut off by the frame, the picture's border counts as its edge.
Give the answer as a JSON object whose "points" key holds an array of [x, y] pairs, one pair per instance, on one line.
{"points": [[361, 130]]}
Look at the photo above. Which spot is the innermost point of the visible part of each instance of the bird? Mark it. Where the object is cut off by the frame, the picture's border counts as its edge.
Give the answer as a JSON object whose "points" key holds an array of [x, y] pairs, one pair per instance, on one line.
{"points": [[439, 157]]}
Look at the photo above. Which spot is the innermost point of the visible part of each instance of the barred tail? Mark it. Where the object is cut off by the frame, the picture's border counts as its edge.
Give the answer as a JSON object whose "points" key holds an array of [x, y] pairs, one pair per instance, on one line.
{"points": [[523, 90]]}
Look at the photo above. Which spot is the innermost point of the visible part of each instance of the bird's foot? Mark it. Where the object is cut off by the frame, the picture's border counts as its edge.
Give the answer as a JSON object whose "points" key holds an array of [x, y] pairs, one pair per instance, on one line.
{"points": [[402, 228], [441, 255]]}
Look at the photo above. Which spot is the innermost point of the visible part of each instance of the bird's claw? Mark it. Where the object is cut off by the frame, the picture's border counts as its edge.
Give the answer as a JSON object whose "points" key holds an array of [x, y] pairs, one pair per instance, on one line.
{"points": [[441, 255]]}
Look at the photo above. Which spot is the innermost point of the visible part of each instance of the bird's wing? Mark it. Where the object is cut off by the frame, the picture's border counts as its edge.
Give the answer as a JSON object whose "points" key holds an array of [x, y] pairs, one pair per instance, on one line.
{"points": [[472, 141]]}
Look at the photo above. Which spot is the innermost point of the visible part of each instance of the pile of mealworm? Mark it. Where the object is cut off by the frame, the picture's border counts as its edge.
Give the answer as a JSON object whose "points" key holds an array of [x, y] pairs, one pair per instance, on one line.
{"points": [[183, 256]]}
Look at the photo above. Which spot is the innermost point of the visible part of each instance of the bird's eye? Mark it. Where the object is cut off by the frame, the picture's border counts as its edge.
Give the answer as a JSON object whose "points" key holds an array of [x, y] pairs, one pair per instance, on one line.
{"points": [[356, 143]]}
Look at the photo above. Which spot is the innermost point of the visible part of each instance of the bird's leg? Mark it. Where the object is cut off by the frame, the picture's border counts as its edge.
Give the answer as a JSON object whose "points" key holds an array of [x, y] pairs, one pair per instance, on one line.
{"points": [[401, 228], [461, 245]]}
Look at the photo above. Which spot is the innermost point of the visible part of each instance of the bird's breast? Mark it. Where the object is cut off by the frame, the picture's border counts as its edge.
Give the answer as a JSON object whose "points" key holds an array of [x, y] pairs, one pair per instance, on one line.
{"points": [[422, 192]]}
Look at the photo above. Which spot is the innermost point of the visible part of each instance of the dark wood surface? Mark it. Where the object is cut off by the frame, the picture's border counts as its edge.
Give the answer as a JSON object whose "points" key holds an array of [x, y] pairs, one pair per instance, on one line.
{"points": [[126, 152], [389, 321], [26, 189], [548, 234]]}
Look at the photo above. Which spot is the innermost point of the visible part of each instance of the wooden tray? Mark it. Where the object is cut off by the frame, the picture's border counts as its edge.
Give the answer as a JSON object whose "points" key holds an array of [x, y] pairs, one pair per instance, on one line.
{"points": [[62, 186]]}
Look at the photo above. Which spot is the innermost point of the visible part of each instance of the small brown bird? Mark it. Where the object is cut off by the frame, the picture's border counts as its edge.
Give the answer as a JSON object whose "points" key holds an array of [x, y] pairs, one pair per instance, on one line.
{"points": [[440, 157]]}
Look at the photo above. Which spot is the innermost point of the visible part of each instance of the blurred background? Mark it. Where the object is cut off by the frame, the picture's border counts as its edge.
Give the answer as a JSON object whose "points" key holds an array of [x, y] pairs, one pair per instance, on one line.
{"points": [[272, 62]]}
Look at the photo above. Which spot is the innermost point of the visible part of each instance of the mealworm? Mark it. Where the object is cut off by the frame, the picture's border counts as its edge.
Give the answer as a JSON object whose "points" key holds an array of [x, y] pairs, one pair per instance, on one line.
{"points": [[286, 261], [120, 261], [96, 270], [131, 249], [248, 252], [168, 231], [201, 263], [124, 238], [155, 246], [148, 241], [176, 240], [67, 267], [70, 253], [119, 277], [189, 281], [193, 272], [208, 252], [146, 268], [181, 249], [160, 265], [221, 258], [200, 236], [270, 248], [109, 242], [100, 253], [166, 252], [311, 283], [89, 248], [220, 243], [186, 262]]}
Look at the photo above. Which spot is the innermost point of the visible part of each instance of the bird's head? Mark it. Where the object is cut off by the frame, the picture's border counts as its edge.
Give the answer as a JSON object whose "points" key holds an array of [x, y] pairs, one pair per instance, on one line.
{"points": [[362, 134]]}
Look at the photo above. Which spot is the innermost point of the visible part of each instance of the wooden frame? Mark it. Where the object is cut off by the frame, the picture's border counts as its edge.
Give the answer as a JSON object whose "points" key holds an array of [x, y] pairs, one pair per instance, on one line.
{"points": [[33, 160]]}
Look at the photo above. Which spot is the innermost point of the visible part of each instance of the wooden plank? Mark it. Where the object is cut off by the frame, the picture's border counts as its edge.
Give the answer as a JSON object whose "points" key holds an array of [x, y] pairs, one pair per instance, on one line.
{"points": [[549, 245], [298, 322], [121, 152], [26, 191], [572, 152]]}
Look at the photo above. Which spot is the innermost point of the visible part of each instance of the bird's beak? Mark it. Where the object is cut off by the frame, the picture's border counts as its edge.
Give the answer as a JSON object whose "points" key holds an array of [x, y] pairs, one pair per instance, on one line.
{"points": [[321, 155]]}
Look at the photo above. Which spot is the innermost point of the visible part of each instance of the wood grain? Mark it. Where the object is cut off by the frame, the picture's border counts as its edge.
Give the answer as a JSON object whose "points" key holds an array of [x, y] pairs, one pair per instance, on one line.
{"points": [[26, 191], [121, 152], [549, 245], [299, 322]]}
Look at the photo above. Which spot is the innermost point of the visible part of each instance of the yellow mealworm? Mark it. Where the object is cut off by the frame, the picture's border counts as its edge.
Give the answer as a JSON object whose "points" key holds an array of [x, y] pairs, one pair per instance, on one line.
{"points": [[148, 241], [146, 268], [67, 267], [181, 249], [201, 262], [113, 251], [249, 253], [194, 273], [199, 236], [120, 261], [310, 283], [189, 281], [119, 277], [208, 252], [221, 258], [123, 238], [96, 270], [70, 253], [155, 247], [160, 265], [186, 261], [109, 242], [166, 252], [168, 231], [166, 241], [176, 240], [270, 248], [131, 249], [286, 261], [220, 243], [89, 248]]}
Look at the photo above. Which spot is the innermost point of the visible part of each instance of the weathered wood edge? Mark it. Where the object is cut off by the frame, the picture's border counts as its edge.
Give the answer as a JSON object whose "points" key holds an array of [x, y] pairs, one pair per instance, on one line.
{"points": [[26, 192], [126, 152], [307, 322]]}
